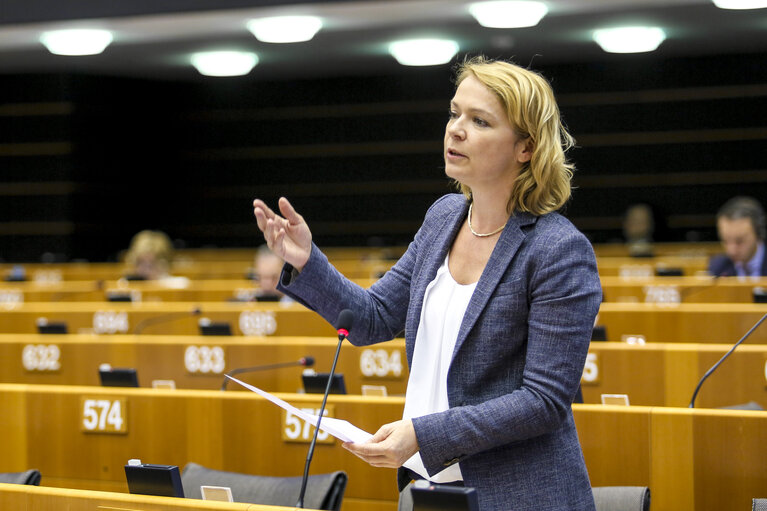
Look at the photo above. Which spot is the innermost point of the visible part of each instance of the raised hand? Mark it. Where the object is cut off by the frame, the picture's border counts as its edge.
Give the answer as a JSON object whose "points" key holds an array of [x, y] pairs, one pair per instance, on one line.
{"points": [[288, 235]]}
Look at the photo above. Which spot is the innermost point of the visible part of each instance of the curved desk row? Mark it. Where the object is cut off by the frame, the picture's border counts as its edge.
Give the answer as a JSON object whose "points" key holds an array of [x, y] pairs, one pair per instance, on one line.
{"points": [[692, 459], [654, 374], [614, 289], [686, 322], [195, 362]]}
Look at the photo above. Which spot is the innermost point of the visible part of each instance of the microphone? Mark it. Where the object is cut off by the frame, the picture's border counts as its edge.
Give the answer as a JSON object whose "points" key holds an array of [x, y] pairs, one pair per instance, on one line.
{"points": [[343, 325], [345, 321], [162, 318], [303, 361], [713, 368]]}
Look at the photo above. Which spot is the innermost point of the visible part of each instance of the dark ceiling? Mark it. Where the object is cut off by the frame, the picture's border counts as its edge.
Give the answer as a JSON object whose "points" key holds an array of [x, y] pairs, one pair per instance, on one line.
{"points": [[154, 38]]}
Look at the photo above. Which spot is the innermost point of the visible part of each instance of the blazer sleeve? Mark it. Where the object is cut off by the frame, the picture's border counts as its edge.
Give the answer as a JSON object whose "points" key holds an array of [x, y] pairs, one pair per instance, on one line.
{"points": [[380, 311], [564, 293]]}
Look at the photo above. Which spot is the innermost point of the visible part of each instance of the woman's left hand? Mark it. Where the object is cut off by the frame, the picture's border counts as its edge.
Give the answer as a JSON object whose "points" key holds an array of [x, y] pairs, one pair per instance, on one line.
{"points": [[391, 446]]}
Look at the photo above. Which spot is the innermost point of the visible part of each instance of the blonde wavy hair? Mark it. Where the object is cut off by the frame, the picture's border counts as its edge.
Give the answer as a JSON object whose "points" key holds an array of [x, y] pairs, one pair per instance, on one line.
{"points": [[154, 243], [543, 184]]}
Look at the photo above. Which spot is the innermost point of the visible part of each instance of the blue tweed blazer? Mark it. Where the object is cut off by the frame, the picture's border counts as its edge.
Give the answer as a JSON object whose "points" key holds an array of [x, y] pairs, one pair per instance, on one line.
{"points": [[518, 358]]}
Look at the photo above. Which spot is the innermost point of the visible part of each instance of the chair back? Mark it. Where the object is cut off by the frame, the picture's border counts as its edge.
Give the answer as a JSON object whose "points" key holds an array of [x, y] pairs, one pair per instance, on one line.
{"points": [[31, 476], [622, 498], [323, 491], [759, 505]]}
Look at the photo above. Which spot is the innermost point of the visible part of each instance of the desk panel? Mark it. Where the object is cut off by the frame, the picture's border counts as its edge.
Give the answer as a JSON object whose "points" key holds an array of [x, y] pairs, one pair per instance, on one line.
{"points": [[708, 459], [176, 318], [701, 460], [234, 431], [197, 362], [615, 443], [40, 498], [665, 374], [197, 270], [678, 249], [645, 267], [13, 293], [686, 322], [680, 289], [692, 459], [359, 253]]}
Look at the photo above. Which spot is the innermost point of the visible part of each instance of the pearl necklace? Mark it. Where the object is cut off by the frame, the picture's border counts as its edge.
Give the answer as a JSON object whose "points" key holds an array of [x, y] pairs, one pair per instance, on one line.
{"points": [[480, 235]]}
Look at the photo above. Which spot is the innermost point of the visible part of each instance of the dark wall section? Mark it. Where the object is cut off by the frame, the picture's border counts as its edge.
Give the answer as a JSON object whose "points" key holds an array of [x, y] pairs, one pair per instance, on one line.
{"points": [[127, 167], [360, 157], [36, 167]]}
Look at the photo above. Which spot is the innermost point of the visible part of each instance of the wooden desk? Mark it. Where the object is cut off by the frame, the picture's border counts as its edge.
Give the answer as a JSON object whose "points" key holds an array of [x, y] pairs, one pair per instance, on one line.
{"points": [[358, 253], [655, 374], [198, 270], [646, 267], [120, 317], [693, 322], [195, 362], [665, 374], [696, 322], [19, 497], [235, 431], [14, 293], [692, 459], [680, 289], [614, 289], [702, 460], [55, 272], [682, 249]]}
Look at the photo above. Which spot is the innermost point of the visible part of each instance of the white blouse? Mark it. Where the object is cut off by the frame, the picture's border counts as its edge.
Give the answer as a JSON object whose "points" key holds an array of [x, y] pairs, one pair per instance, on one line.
{"points": [[444, 306]]}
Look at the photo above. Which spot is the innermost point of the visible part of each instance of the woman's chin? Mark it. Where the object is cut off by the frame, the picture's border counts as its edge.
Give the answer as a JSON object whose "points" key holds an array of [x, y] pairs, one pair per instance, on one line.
{"points": [[453, 172]]}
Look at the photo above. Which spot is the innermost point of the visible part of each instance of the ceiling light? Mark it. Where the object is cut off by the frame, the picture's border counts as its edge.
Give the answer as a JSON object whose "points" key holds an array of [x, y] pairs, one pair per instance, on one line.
{"points": [[629, 39], [76, 41], [740, 4], [423, 52], [224, 63], [285, 29], [508, 14]]}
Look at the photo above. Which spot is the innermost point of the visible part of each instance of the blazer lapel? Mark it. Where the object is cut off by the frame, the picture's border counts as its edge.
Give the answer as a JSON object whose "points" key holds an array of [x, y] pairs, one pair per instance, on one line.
{"points": [[504, 251], [434, 256]]}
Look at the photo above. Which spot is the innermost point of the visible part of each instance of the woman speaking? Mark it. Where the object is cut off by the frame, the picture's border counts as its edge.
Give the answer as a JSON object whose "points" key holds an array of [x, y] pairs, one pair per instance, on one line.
{"points": [[497, 294]]}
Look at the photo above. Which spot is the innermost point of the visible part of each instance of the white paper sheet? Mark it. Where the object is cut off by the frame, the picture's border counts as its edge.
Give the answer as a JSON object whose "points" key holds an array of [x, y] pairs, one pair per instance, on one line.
{"points": [[341, 429]]}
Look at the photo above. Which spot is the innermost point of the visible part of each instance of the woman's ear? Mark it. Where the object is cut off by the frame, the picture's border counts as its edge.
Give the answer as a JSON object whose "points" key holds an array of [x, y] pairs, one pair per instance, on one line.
{"points": [[524, 150]]}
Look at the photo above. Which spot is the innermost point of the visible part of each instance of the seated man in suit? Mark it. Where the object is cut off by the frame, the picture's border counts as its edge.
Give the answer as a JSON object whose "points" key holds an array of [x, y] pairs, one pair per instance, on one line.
{"points": [[741, 227]]}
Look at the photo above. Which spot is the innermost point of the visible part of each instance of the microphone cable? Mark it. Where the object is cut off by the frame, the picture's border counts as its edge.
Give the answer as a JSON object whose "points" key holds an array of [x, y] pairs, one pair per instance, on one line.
{"points": [[162, 318], [303, 361]]}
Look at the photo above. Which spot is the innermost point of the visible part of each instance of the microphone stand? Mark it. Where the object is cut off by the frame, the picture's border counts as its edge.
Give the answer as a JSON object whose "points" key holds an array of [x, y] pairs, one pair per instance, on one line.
{"points": [[342, 333], [98, 286], [162, 318], [713, 368]]}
